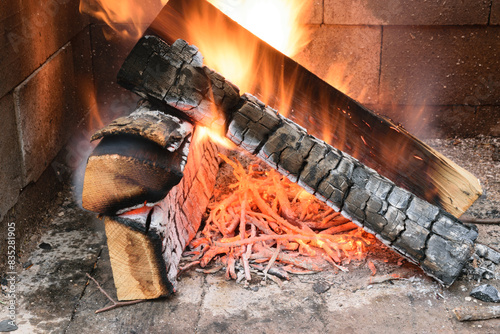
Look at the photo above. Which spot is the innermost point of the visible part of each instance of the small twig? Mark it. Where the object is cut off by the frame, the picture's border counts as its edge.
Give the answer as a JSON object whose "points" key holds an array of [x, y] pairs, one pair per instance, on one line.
{"points": [[115, 303], [186, 267], [211, 270], [385, 278], [271, 261]]}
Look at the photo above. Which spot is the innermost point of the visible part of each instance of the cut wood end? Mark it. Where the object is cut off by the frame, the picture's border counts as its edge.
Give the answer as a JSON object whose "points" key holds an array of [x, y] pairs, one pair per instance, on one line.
{"points": [[114, 182], [456, 184], [136, 260]]}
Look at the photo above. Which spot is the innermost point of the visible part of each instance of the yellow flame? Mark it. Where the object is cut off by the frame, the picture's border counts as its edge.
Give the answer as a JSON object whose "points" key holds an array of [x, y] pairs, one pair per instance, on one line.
{"points": [[215, 135], [275, 21]]}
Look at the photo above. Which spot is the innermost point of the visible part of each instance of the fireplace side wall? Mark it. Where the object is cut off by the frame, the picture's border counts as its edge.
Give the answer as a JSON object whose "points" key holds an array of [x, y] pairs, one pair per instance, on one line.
{"points": [[46, 95]]}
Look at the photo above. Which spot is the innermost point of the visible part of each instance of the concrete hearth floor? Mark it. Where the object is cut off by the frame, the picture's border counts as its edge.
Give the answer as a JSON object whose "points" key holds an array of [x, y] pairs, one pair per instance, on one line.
{"points": [[55, 296]]}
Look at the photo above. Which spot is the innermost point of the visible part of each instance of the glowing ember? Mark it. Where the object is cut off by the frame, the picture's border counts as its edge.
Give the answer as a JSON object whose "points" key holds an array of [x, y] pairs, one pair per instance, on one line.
{"points": [[266, 218]]}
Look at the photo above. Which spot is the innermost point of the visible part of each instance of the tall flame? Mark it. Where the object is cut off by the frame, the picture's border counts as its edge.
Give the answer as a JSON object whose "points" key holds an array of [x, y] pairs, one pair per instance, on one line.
{"points": [[275, 21]]}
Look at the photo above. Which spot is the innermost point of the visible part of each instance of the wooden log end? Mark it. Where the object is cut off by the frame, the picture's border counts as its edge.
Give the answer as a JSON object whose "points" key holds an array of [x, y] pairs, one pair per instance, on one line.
{"points": [[126, 171], [136, 260]]}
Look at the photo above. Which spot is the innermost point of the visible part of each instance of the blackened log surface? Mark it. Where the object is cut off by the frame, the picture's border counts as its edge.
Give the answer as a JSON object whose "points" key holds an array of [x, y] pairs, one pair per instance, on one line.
{"points": [[175, 75], [320, 108], [165, 130], [181, 211], [424, 233]]}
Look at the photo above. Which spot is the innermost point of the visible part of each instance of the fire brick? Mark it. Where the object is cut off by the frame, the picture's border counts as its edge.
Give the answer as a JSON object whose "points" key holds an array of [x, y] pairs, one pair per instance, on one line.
{"points": [[45, 110], [32, 32], [441, 65], [348, 58], [10, 171], [315, 12], [495, 12], [406, 12]]}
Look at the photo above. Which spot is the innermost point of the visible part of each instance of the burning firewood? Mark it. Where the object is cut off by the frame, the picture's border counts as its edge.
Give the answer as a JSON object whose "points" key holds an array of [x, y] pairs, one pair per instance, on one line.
{"points": [[323, 110], [152, 175], [412, 221], [422, 232]]}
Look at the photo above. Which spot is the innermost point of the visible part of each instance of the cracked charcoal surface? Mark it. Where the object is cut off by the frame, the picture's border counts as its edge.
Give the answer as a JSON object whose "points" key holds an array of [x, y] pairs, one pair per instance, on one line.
{"points": [[175, 75], [166, 130], [420, 231]]}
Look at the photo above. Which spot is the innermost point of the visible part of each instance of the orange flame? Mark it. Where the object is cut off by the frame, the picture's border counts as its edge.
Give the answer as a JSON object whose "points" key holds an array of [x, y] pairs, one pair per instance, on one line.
{"points": [[277, 22], [127, 18]]}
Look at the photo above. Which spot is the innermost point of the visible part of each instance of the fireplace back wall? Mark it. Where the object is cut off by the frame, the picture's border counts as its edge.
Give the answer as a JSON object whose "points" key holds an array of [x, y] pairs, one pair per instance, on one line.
{"points": [[432, 66]]}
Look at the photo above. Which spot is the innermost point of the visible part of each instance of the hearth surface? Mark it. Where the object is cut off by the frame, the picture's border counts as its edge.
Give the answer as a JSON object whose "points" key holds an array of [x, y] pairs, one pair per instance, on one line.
{"points": [[54, 296]]}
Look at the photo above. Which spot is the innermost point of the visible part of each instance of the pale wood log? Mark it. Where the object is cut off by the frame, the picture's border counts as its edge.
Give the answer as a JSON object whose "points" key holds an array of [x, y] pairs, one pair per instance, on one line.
{"points": [[477, 313], [136, 260]]}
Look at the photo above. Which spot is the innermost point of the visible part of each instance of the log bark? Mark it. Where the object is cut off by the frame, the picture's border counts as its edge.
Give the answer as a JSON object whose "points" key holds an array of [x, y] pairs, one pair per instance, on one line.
{"points": [[424, 233], [139, 159], [315, 105], [145, 248]]}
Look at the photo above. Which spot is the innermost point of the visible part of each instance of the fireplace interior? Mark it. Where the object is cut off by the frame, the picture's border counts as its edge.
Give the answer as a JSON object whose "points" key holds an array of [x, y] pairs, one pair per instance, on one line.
{"points": [[432, 68]]}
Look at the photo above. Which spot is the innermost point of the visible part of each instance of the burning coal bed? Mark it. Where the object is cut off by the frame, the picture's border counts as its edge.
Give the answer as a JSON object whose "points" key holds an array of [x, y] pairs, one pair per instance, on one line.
{"points": [[154, 172], [259, 222]]}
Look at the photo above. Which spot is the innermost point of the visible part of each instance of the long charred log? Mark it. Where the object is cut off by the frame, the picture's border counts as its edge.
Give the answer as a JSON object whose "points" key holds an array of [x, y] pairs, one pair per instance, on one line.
{"points": [[424, 233]]}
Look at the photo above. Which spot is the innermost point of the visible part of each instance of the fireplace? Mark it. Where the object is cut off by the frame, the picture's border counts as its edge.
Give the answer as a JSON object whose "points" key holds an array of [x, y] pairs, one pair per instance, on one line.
{"points": [[414, 64]]}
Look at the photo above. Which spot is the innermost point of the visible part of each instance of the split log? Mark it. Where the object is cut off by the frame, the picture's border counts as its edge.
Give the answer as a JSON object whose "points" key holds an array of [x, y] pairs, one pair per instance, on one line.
{"points": [[149, 170], [139, 159], [424, 233], [145, 248], [320, 108]]}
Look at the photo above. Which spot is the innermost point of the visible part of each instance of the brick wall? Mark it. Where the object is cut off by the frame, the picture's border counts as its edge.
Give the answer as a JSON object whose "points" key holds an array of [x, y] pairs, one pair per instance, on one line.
{"points": [[46, 89], [433, 66]]}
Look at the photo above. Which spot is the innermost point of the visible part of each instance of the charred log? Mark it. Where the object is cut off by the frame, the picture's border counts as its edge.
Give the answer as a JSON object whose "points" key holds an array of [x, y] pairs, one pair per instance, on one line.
{"points": [[317, 106], [422, 232]]}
